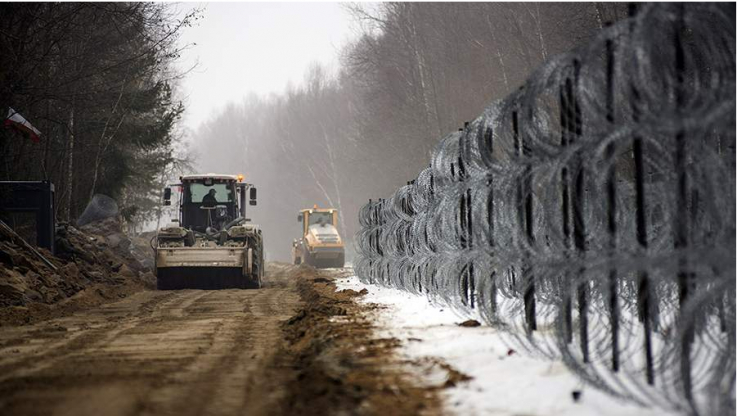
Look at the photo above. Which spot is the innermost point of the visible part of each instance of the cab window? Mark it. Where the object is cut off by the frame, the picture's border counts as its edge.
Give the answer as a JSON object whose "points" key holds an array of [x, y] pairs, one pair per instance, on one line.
{"points": [[327, 218], [197, 191]]}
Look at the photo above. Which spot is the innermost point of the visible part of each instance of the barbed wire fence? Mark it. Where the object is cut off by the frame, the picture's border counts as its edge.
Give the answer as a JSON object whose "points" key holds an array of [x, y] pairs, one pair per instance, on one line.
{"points": [[591, 214]]}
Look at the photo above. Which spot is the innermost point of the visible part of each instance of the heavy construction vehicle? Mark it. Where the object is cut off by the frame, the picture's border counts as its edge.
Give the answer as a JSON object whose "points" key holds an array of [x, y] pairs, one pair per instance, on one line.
{"points": [[320, 245], [211, 245]]}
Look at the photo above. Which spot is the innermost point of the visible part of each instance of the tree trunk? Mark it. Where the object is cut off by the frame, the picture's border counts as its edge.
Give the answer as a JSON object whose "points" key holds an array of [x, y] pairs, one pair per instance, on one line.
{"points": [[70, 166], [102, 149]]}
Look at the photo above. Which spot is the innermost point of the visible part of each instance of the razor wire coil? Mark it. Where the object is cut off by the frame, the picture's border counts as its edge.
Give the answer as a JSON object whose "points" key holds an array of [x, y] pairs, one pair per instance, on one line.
{"points": [[590, 215]]}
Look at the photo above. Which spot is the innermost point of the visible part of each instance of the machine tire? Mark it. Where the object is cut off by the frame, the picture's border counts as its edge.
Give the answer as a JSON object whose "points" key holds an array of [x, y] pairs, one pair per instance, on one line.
{"points": [[254, 281], [340, 261], [307, 258]]}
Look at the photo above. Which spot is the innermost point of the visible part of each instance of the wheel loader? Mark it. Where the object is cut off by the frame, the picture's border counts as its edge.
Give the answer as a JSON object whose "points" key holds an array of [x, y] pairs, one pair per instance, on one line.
{"points": [[211, 245], [320, 245]]}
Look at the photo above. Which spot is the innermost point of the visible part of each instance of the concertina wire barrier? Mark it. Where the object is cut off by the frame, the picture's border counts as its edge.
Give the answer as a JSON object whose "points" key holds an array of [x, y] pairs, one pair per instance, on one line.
{"points": [[590, 215]]}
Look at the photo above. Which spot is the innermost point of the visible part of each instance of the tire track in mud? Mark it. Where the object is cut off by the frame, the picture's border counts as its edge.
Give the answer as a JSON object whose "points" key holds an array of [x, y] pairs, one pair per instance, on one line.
{"points": [[185, 352], [218, 380], [293, 347], [70, 334], [66, 335]]}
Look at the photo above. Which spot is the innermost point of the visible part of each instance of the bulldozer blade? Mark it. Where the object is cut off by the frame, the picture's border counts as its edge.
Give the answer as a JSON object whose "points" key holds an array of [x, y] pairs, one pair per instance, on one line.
{"points": [[207, 278]]}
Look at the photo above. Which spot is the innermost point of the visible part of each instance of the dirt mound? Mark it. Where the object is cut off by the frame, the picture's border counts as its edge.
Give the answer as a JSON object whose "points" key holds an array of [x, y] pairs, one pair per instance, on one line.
{"points": [[142, 250], [341, 367], [93, 265], [134, 252]]}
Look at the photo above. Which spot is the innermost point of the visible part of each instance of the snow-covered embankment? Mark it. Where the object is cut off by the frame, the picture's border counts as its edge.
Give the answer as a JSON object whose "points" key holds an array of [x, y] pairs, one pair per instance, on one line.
{"points": [[503, 381]]}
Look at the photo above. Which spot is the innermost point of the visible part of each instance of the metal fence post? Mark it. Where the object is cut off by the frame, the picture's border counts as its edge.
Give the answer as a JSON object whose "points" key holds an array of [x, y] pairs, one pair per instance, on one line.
{"points": [[488, 135], [578, 205], [611, 190], [524, 208], [566, 130], [681, 242], [643, 286]]}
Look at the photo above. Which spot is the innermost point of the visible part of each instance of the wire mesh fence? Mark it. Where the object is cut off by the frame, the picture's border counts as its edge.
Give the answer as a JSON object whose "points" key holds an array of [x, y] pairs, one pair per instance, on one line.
{"points": [[590, 215]]}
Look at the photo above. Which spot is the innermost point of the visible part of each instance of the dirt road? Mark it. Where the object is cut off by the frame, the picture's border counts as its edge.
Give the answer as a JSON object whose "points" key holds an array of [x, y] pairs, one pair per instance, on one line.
{"points": [[193, 352], [180, 352]]}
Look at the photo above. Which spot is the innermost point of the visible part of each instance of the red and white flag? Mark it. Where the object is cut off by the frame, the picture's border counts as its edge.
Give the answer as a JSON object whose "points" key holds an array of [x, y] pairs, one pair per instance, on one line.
{"points": [[18, 122]]}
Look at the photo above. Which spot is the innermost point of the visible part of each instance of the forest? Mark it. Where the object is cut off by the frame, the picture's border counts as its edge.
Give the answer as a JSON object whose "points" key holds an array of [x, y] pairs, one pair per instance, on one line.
{"points": [[97, 81], [416, 73]]}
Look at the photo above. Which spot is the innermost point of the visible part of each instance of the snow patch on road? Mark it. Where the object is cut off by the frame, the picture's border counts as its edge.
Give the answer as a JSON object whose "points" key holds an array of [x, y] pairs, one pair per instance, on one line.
{"points": [[503, 382]]}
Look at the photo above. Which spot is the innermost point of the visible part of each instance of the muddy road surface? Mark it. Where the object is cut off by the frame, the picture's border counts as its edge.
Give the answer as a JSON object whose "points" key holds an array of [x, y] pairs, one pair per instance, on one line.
{"points": [[277, 350]]}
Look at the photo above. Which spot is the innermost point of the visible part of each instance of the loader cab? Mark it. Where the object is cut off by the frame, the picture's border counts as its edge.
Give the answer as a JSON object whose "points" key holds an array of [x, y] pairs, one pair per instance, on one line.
{"points": [[308, 217], [211, 200]]}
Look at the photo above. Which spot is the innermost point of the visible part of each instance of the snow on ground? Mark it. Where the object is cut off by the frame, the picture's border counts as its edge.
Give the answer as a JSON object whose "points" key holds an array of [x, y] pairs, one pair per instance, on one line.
{"points": [[501, 384]]}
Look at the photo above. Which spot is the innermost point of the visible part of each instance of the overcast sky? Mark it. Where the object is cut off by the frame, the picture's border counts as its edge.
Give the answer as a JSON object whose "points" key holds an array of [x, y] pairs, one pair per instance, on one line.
{"points": [[255, 47]]}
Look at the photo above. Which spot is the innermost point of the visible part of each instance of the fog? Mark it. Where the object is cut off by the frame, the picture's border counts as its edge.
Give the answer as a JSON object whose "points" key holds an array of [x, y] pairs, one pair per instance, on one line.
{"points": [[234, 49], [351, 111]]}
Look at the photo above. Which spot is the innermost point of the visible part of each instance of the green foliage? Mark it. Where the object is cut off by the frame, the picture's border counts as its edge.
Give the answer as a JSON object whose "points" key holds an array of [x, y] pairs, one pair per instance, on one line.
{"points": [[96, 79]]}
